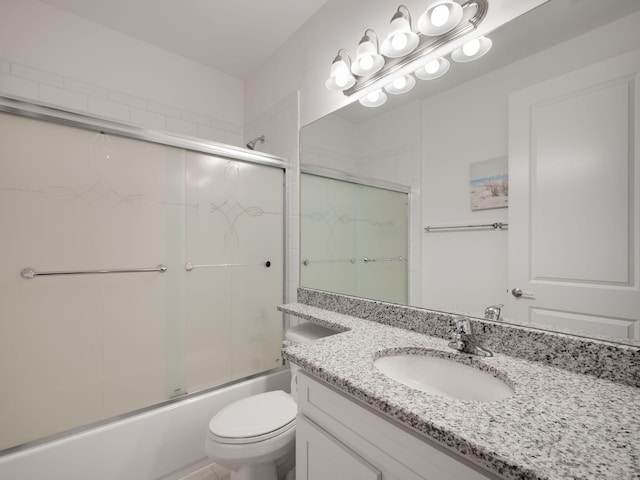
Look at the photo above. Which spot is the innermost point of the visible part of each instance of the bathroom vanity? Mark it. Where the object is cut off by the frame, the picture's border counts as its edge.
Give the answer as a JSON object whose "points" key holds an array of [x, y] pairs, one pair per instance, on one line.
{"points": [[356, 422]]}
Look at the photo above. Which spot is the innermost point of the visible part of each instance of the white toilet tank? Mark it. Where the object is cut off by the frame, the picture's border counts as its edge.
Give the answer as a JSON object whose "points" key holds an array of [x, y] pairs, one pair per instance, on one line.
{"points": [[303, 333]]}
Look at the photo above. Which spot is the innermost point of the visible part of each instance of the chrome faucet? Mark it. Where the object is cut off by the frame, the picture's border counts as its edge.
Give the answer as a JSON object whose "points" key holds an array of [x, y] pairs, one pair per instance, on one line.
{"points": [[464, 339], [492, 312]]}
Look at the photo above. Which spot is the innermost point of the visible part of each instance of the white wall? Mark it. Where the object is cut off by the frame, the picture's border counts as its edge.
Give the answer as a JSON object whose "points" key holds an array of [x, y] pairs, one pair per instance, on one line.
{"points": [[57, 58]]}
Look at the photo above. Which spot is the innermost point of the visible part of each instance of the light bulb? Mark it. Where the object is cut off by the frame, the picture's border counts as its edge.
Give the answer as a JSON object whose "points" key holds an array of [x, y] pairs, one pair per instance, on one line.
{"points": [[341, 79], [440, 15], [366, 62], [399, 41], [432, 67], [400, 83], [471, 48], [373, 96]]}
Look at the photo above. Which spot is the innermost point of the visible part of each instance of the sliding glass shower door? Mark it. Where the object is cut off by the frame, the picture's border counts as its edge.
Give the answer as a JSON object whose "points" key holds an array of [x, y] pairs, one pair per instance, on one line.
{"points": [[179, 298], [234, 230]]}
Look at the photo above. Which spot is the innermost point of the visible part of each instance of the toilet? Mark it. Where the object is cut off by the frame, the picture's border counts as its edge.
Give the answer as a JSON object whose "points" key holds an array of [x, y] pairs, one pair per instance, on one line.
{"points": [[254, 437]]}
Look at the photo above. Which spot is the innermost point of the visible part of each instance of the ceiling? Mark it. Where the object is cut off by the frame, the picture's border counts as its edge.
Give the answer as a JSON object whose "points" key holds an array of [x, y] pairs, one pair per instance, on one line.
{"points": [[234, 36]]}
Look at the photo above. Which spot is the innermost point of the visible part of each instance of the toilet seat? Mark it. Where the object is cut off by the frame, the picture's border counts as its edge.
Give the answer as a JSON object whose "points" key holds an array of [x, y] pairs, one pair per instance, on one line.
{"points": [[254, 419]]}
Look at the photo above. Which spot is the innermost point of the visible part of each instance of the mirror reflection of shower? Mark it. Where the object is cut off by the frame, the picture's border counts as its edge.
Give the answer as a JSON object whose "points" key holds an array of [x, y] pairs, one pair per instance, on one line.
{"points": [[252, 144], [354, 238]]}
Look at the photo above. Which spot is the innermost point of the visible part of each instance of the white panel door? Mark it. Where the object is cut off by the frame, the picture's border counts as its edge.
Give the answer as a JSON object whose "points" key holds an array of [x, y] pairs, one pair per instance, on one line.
{"points": [[574, 200]]}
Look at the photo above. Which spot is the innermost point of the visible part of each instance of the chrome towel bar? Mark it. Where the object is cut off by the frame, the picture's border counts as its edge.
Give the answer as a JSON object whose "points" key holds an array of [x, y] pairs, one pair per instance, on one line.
{"points": [[392, 259], [494, 226], [190, 266], [30, 273], [344, 260]]}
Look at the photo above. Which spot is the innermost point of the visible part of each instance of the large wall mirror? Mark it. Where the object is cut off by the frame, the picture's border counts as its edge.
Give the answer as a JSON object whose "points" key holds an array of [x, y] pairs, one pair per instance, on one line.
{"points": [[547, 122]]}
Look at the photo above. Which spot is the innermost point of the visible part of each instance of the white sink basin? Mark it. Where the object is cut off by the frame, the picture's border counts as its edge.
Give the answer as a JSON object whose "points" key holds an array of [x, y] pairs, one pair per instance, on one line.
{"points": [[444, 377]]}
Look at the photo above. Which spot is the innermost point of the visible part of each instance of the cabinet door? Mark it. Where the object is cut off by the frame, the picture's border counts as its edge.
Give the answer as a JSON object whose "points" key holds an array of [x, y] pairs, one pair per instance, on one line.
{"points": [[319, 456]]}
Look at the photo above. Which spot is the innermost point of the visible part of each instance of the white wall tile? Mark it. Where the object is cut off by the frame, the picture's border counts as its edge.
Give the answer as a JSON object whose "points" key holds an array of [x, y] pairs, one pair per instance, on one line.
{"points": [[211, 133], [63, 98], [197, 118], [87, 88], [127, 99], [148, 119], [105, 108], [232, 138], [180, 126], [19, 87], [37, 75], [163, 109]]}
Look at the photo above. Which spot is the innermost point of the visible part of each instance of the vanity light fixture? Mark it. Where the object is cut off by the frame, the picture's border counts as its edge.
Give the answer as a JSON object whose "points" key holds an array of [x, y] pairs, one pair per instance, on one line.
{"points": [[368, 58], [340, 77], [406, 55], [472, 50], [401, 39], [401, 85], [374, 99], [440, 16]]}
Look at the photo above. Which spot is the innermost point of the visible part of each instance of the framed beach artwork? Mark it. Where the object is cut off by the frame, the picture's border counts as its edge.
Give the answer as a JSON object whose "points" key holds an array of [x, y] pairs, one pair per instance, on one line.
{"points": [[489, 185]]}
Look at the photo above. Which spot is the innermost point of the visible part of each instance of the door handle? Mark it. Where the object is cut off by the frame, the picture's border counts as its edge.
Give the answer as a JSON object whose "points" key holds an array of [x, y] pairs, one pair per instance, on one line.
{"points": [[518, 293]]}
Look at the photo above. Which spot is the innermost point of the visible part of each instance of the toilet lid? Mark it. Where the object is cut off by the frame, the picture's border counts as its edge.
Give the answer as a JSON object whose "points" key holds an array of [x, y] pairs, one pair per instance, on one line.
{"points": [[254, 418]]}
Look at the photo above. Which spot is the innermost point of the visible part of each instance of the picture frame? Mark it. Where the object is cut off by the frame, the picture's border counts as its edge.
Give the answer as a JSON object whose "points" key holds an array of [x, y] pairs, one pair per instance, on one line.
{"points": [[489, 184]]}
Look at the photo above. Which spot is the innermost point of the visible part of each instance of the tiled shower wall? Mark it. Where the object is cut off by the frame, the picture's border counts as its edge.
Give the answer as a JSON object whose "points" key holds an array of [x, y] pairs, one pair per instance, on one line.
{"points": [[23, 81]]}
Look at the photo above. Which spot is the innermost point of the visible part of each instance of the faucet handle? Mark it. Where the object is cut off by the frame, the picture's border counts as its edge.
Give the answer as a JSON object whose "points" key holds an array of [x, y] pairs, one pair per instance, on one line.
{"points": [[463, 326], [492, 312]]}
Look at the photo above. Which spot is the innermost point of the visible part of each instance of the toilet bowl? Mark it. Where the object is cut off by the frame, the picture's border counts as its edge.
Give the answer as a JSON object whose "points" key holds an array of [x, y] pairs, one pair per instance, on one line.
{"points": [[254, 437]]}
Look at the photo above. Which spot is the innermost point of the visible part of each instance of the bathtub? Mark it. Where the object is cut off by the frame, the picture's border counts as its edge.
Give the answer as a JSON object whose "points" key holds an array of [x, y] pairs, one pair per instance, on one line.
{"points": [[164, 443]]}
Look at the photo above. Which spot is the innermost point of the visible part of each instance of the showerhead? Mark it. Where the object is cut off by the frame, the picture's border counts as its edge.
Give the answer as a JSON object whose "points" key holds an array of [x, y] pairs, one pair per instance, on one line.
{"points": [[252, 144]]}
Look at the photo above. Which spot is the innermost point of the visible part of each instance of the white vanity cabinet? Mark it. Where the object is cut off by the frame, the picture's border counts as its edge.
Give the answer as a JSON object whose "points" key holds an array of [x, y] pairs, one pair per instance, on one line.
{"points": [[338, 438]]}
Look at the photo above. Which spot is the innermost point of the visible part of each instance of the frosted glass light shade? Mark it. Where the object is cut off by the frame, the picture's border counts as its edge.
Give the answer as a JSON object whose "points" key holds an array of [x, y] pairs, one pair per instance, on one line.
{"points": [[434, 69], [374, 99], [440, 17], [340, 77], [368, 60], [472, 50], [401, 40], [401, 85]]}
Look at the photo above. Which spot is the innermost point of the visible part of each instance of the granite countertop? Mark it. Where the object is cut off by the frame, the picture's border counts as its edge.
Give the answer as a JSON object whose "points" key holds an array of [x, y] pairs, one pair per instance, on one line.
{"points": [[557, 425]]}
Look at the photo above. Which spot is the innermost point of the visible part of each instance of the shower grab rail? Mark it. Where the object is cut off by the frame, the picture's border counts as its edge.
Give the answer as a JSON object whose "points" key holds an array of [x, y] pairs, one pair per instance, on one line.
{"points": [[390, 259], [30, 273], [190, 266], [343, 260], [494, 226]]}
